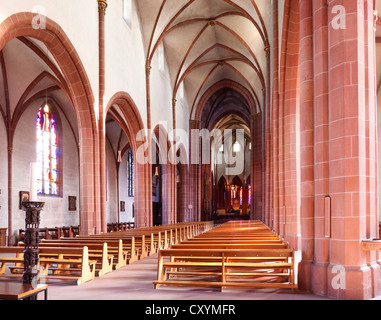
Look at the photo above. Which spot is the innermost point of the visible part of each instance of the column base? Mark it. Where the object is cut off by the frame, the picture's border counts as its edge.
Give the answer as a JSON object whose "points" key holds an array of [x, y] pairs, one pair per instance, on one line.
{"points": [[304, 276], [346, 283]]}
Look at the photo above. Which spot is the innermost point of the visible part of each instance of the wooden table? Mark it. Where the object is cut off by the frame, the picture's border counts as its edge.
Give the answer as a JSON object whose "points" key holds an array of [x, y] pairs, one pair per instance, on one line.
{"points": [[20, 291]]}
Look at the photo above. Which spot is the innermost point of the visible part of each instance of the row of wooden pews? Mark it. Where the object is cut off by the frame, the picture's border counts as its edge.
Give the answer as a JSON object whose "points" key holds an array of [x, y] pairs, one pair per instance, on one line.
{"points": [[82, 258], [120, 226], [73, 231], [237, 254], [54, 233]]}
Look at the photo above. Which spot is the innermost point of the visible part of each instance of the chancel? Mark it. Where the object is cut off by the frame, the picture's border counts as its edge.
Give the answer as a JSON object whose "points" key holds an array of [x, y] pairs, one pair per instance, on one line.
{"points": [[182, 150]]}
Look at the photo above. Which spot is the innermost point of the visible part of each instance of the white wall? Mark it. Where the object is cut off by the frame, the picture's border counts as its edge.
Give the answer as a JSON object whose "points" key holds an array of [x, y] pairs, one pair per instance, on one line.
{"points": [[125, 57], [55, 212], [79, 21], [112, 209], [123, 191], [112, 196]]}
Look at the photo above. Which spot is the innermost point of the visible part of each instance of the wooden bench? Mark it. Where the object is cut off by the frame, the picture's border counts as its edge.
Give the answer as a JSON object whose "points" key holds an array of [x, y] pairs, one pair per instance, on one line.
{"points": [[226, 268], [233, 241], [97, 251], [213, 246], [53, 233], [244, 254], [135, 248], [115, 248], [66, 264]]}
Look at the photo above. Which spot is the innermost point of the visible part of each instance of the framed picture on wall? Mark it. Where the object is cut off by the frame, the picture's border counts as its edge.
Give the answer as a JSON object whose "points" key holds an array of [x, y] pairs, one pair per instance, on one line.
{"points": [[72, 203], [24, 197], [122, 206]]}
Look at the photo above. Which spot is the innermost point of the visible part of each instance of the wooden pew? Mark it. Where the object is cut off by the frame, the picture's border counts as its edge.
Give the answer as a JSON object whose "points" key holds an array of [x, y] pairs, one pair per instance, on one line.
{"points": [[235, 254], [135, 246], [224, 268], [121, 256], [97, 251], [213, 246], [66, 264]]}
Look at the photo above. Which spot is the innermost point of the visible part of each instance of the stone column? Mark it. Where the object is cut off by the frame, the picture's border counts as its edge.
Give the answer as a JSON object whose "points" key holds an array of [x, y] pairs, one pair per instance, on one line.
{"points": [[275, 119], [352, 114], [321, 243], [257, 204], [102, 224], [194, 208], [306, 144], [345, 187]]}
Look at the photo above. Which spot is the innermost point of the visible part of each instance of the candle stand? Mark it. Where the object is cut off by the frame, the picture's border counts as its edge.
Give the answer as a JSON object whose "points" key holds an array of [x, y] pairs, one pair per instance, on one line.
{"points": [[31, 241]]}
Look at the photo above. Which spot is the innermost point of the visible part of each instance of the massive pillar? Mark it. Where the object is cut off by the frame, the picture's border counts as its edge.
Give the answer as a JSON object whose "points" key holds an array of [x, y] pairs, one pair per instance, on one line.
{"points": [[345, 144], [352, 114], [275, 119], [307, 143], [288, 166]]}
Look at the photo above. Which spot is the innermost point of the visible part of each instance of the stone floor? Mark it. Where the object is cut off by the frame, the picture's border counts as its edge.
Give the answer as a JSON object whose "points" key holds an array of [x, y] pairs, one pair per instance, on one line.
{"points": [[134, 282]]}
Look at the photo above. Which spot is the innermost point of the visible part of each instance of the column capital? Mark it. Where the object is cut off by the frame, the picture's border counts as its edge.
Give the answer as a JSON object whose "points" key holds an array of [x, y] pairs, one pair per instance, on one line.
{"points": [[267, 50], [102, 5], [195, 124], [148, 68], [256, 116]]}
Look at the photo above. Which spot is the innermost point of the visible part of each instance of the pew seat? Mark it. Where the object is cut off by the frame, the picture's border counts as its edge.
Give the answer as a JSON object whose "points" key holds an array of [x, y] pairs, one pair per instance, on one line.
{"points": [[55, 263]]}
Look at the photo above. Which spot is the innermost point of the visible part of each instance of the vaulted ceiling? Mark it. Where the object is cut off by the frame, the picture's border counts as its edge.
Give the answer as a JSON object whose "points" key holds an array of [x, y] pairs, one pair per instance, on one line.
{"points": [[30, 75], [207, 41]]}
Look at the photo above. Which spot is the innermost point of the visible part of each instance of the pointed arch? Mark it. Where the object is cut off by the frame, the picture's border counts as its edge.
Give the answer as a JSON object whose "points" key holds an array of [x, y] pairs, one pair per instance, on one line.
{"points": [[74, 73], [126, 114]]}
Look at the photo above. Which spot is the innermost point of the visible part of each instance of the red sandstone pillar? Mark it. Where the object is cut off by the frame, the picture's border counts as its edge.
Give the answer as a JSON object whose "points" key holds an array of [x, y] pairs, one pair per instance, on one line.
{"points": [[257, 203], [275, 119], [101, 224], [194, 207], [289, 128], [307, 144], [342, 268], [141, 204], [351, 58], [10, 161], [319, 276], [148, 219]]}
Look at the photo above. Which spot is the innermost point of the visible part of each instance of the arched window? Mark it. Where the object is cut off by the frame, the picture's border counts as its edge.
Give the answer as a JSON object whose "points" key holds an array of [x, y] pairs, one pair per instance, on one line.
{"points": [[47, 152], [130, 172], [127, 12]]}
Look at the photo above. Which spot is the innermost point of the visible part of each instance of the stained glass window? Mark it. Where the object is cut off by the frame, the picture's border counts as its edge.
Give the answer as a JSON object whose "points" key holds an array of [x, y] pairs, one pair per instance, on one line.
{"points": [[240, 196], [47, 152], [130, 172], [233, 193], [249, 194]]}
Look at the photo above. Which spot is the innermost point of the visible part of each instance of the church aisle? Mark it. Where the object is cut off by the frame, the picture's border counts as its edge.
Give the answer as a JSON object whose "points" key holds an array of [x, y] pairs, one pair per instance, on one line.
{"points": [[134, 282]]}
